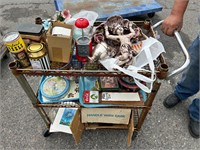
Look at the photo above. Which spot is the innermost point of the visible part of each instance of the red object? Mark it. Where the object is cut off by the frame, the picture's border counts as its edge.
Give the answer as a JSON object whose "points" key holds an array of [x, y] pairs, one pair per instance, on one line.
{"points": [[86, 96], [84, 58], [80, 58], [82, 23]]}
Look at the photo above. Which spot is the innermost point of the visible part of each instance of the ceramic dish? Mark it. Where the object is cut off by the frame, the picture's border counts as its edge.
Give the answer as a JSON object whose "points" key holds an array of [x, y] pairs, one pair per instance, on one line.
{"points": [[128, 80], [134, 87]]}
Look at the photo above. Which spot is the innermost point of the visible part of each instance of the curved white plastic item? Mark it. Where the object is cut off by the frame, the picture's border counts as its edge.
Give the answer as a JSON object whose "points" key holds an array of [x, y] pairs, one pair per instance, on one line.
{"points": [[151, 49], [184, 50]]}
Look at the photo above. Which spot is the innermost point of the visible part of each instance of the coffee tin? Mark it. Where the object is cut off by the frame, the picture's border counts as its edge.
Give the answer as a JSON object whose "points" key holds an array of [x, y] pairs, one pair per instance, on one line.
{"points": [[38, 56], [17, 47]]}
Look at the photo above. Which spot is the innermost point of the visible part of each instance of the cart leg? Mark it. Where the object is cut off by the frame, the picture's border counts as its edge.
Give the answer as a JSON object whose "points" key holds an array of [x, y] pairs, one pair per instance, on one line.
{"points": [[28, 90], [135, 133], [131, 128], [148, 104]]}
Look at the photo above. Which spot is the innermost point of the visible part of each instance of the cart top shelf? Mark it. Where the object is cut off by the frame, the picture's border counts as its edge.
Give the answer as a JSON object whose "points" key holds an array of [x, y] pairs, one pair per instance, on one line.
{"points": [[109, 8], [91, 69]]}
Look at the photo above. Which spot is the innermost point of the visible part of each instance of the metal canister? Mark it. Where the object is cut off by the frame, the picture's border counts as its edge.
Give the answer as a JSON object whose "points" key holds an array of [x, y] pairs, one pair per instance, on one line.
{"points": [[38, 56], [17, 47]]}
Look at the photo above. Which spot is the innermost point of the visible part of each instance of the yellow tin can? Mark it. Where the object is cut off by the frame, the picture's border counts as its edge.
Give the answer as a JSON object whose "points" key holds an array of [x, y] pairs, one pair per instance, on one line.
{"points": [[38, 56], [14, 42], [17, 47]]}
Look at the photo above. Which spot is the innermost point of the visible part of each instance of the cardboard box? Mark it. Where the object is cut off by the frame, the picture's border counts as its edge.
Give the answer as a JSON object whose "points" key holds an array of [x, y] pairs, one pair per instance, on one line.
{"points": [[59, 47], [105, 115]]}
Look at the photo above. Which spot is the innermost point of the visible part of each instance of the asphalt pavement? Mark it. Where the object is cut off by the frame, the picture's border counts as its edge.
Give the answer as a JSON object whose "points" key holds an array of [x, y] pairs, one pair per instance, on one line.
{"points": [[22, 127]]}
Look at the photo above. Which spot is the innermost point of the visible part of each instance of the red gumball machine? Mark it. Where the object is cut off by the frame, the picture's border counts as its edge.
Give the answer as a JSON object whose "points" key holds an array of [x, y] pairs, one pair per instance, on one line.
{"points": [[84, 43]]}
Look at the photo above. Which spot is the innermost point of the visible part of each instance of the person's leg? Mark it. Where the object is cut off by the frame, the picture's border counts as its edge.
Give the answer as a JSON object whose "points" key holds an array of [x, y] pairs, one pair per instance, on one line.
{"points": [[189, 83], [194, 118], [194, 109], [188, 86], [192, 88]]}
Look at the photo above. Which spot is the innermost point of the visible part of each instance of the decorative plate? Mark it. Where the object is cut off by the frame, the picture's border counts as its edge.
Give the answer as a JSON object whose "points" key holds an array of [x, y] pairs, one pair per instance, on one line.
{"points": [[54, 87], [128, 80], [134, 87]]}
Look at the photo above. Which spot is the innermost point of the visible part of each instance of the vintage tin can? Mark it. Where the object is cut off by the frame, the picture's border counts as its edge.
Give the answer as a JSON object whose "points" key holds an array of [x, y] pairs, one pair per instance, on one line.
{"points": [[17, 47], [38, 56]]}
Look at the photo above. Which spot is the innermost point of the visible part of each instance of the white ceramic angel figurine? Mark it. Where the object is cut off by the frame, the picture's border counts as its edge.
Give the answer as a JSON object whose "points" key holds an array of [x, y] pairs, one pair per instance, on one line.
{"points": [[126, 50]]}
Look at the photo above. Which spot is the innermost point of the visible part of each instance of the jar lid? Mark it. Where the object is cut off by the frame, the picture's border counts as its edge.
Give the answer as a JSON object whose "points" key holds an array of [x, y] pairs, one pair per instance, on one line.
{"points": [[35, 47]]}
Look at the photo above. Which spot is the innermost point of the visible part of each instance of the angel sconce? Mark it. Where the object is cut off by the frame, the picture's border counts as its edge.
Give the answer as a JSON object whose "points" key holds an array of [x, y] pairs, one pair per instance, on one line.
{"points": [[126, 34]]}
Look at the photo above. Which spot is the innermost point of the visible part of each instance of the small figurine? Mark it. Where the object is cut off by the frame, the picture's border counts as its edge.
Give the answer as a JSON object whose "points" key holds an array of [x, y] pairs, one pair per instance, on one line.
{"points": [[125, 44], [118, 38], [117, 26], [100, 50]]}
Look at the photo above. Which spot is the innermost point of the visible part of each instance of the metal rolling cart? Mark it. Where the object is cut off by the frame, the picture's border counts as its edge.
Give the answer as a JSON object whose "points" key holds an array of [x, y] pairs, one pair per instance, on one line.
{"points": [[138, 112]]}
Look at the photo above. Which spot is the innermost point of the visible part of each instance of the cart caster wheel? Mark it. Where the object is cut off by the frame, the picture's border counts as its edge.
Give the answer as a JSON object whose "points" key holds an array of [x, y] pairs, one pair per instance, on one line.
{"points": [[46, 133], [135, 133], [151, 15]]}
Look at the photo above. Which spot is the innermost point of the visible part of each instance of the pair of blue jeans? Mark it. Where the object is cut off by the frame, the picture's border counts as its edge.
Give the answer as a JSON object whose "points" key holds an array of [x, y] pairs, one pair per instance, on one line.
{"points": [[189, 83]]}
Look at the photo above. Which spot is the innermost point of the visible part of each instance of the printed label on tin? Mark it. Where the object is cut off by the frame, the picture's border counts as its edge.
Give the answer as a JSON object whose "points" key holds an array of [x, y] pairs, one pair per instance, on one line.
{"points": [[42, 63], [35, 64], [24, 62], [22, 57], [45, 62]]}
